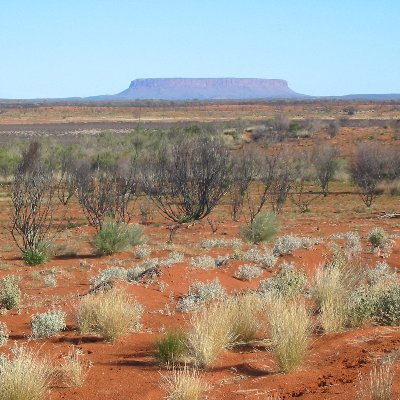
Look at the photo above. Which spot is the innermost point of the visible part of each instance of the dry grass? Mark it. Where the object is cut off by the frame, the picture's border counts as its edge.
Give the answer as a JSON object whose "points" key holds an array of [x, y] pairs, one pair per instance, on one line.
{"points": [[74, 369], [289, 326], [334, 284], [331, 297], [377, 385], [209, 334], [111, 314], [24, 376], [245, 315], [184, 384]]}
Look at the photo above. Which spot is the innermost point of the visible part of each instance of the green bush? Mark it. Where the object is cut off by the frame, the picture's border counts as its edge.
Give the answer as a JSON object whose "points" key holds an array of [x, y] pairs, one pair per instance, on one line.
{"points": [[10, 293], [387, 306], [263, 228], [171, 347], [377, 238], [115, 237], [38, 255]]}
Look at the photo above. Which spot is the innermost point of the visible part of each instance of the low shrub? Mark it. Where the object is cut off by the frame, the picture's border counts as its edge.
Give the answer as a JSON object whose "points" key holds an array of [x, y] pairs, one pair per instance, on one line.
{"points": [[48, 324], [110, 315], [264, 257], [203, 262], [287, 282], [38, 255], [377, 238], [247, 272], [387, 306], [201, 293], [115, 237], [10, 293], [4, 333], [171, 347], [262, 229]]}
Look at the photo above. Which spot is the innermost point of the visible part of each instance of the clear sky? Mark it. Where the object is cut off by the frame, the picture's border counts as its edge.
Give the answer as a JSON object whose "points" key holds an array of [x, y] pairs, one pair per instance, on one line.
{"points": [[60, 48]]}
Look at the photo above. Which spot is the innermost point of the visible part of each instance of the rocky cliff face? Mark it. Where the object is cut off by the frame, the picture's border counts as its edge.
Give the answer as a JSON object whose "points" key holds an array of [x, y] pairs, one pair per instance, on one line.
{"points": [[207, 88]]}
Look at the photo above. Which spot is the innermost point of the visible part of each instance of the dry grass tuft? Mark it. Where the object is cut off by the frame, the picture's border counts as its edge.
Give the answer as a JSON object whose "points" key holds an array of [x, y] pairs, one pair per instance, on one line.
{"points": [[289, 326], [24, 376], [210, 333], [245, 315], [184, 384], [111, 314], [74, 369], [377, 385]]}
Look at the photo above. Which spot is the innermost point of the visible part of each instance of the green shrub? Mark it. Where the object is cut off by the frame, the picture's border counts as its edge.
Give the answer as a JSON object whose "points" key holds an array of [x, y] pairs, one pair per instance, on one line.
{"points": [[10, 293], [115, 237], [38, 255], [387, 306], [48, 324], [263, 228], [377, 238], [171, 347]]}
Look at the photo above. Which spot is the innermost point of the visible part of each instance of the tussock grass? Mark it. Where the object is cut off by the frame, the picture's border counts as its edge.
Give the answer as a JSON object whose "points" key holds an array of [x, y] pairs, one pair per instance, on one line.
{"points": [[335, 286], [377, 385], [184, 384], [73, 371], [289, 327], [245, 316], [109, 314], [24, 376], [210, 332]]}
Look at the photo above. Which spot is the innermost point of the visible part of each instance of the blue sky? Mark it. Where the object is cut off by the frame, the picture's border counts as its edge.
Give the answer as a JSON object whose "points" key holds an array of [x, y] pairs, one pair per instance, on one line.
{"points": [[60, 48]]}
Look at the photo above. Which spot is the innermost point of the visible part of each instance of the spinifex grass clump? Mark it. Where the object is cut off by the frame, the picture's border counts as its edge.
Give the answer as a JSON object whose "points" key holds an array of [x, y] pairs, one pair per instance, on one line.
{"points": [[184, 384], [115, 237], [210, 332], [24, 376], [110, 315], [289, 326], [37, 255]]}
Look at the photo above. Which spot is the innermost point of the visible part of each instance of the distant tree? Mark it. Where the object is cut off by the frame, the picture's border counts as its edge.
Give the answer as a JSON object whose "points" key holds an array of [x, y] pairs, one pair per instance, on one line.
{"points": [[333, 128], [368, 169], [324, 159]]}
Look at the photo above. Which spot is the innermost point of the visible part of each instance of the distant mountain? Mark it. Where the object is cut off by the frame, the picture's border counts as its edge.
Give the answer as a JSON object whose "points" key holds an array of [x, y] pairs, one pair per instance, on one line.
{"points": [[205, 89]]}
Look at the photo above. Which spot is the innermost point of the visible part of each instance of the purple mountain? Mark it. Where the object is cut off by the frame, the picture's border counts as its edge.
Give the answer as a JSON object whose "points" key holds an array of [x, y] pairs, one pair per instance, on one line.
{"points": [[207, 89]]}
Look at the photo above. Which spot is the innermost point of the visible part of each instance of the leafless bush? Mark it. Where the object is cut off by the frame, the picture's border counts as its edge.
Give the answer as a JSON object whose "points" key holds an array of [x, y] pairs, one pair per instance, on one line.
{"points": [[333, 128], [245, 168], [106, 192], [281, 126], [187, 179], [304, 176], [368, 169], [32, 201], [324, 159]]}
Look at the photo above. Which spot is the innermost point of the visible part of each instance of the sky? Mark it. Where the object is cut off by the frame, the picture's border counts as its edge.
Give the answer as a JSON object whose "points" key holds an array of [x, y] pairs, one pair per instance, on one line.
{"points": [[63, 48]]}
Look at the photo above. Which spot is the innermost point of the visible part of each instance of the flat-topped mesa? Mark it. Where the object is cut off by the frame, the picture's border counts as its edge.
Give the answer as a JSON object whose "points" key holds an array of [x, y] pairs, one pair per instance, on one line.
{"points": [[207, 88]]}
